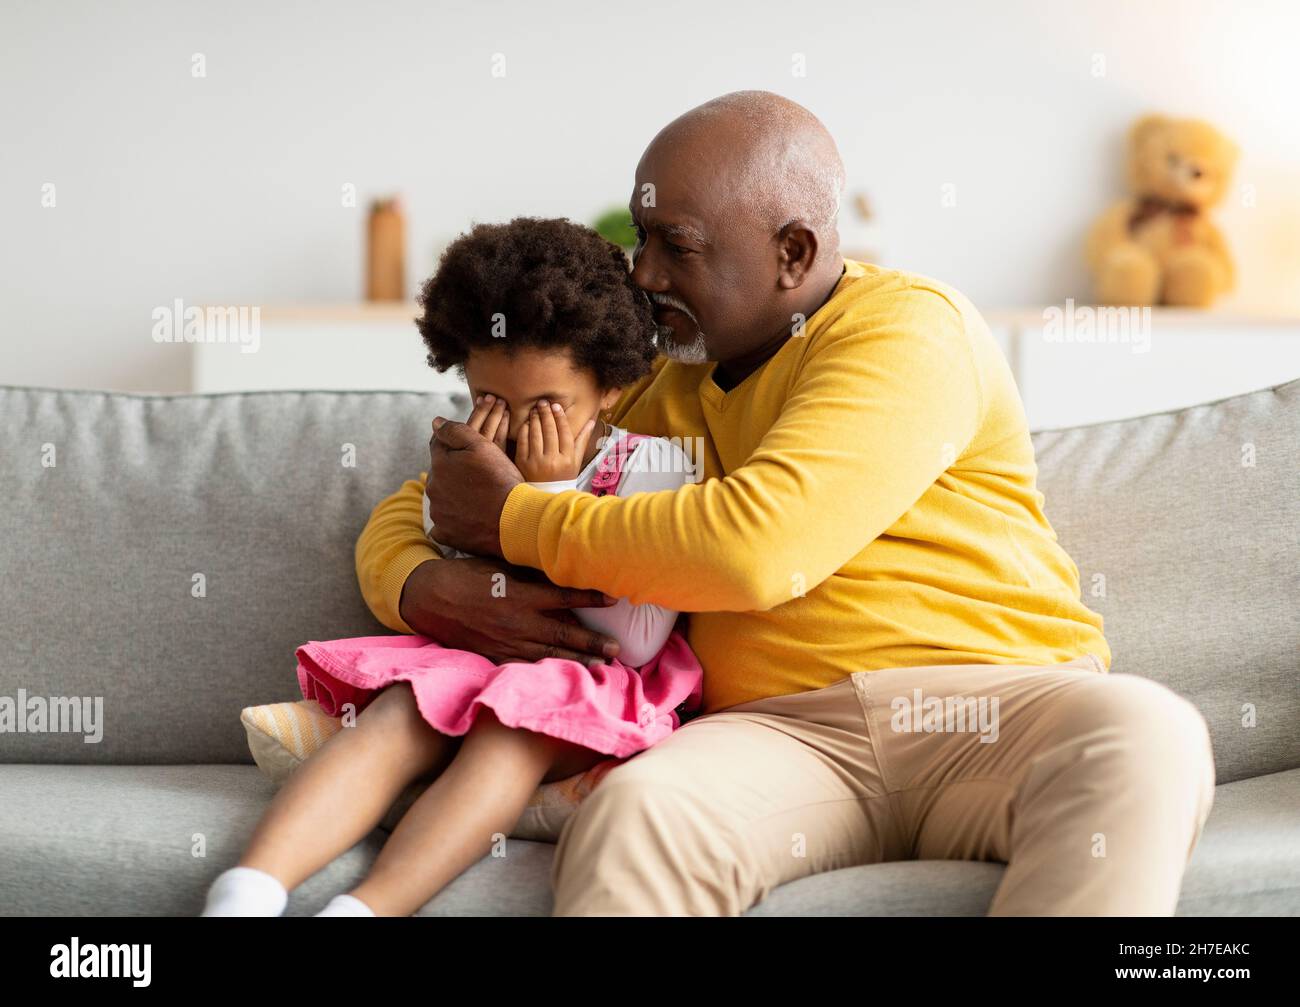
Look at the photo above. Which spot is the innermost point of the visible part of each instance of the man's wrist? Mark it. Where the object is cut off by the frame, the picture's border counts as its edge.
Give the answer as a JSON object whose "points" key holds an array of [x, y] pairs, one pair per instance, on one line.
{"points": [[419, 583]]}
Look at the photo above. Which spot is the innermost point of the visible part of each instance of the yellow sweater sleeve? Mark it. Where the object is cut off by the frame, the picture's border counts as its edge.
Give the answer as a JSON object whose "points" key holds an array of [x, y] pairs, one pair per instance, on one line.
{"points": [[883, 402], [391, 545]]}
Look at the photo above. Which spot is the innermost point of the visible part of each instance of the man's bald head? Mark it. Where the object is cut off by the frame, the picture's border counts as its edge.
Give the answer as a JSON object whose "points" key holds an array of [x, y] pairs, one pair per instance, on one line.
{"points": [[780, 163], [735, 206]]}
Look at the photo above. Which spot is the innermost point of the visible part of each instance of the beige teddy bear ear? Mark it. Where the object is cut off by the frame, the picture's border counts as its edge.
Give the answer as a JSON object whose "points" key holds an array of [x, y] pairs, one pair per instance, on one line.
{"points": [[1144, 128]]}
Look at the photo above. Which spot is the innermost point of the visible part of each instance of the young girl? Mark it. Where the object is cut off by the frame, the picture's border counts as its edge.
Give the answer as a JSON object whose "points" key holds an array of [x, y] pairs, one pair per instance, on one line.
{"points": [[547, 327]]}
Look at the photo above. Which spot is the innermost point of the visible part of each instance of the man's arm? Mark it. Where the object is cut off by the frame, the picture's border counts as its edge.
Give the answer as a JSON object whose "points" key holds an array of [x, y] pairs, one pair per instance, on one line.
{"points": [[391, 545], [482, 605], [881, 409]]}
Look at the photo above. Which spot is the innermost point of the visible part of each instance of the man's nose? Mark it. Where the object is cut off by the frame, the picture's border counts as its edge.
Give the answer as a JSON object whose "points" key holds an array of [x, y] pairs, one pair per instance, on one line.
{"points": [[645, 273]]}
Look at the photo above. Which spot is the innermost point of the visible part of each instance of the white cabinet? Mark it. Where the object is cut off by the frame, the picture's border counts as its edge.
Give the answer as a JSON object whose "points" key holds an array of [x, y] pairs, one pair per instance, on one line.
{"points": [[340, 347], [1075, 368]]}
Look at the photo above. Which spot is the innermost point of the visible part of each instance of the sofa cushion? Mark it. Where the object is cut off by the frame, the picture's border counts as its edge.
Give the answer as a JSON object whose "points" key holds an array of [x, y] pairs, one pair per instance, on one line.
{"points": [[1247, 862], [139, 840], [148, 840], [1185, 527]]}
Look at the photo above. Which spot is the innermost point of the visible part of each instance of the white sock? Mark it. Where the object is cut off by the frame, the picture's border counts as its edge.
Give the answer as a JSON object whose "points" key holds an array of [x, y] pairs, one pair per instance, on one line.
{"points": [[346, 905], [245, 891]]}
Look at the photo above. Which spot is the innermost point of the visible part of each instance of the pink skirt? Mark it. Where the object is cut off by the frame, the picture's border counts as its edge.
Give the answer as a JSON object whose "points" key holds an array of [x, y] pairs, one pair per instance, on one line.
{"points": [[611, 708]]}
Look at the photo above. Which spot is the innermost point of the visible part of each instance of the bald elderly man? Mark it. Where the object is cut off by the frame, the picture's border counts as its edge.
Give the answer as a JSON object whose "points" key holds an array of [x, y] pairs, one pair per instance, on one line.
{"points": [[897, 662]]}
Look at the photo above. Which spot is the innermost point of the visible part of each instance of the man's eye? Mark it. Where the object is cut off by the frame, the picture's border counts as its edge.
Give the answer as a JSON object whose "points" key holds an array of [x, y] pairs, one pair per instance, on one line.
{"points": [[679, 251]]}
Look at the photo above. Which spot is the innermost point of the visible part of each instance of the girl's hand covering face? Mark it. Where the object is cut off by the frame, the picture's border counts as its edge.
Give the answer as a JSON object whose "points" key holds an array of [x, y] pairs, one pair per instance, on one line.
{"points": [[546, 449], [491, 419]]}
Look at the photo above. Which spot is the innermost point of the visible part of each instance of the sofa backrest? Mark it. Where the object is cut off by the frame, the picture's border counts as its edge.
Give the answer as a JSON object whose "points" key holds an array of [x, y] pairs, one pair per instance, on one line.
{"points": [[169, 553], [181, 547], [1185, 527]]}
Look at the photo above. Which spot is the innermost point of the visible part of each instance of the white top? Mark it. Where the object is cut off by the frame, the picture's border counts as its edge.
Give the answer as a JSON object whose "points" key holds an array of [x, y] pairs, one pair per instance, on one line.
{"points": [[654, 464]]}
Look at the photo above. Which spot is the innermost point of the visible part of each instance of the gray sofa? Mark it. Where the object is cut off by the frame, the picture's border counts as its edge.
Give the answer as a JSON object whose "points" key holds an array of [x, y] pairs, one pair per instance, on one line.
{"points": [[1198, 552]]}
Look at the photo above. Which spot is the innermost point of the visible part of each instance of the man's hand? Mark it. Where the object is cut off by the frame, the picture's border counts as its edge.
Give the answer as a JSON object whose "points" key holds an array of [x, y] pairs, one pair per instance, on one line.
{"points": [[491, 418], [470, 477], [487, 607], [547, 450]]}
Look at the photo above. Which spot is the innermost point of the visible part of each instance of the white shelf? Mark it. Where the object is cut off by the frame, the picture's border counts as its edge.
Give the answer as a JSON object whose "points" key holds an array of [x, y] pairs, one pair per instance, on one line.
{"points": [[401, 312], [1194, 356], [334, 347], [1190, 356], [1183, 318]]}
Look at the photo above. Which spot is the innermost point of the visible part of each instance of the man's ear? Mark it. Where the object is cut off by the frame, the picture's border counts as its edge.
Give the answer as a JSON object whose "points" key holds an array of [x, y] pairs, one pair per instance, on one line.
{"points": [[797, 248]]}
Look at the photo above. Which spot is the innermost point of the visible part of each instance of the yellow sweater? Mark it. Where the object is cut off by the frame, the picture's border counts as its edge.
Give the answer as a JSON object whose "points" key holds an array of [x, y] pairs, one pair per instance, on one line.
{"points": [[867, 501]]}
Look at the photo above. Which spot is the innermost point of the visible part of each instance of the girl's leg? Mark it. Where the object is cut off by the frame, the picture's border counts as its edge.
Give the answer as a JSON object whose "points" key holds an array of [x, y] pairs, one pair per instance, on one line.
{"points": [[450, 827], [338, 795]]}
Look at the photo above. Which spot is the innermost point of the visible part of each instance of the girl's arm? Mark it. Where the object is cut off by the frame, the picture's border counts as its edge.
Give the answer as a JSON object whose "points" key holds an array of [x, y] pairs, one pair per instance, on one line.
{"points": [[390, 547], [641, 630]]}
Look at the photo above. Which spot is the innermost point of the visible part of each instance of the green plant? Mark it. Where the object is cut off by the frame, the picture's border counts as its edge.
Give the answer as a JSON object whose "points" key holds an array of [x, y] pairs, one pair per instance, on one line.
{"points": [[616, 225]]}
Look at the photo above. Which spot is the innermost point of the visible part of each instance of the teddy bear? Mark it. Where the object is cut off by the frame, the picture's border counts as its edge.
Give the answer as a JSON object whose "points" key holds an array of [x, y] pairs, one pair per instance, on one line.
{"points": [[1159, 247]]}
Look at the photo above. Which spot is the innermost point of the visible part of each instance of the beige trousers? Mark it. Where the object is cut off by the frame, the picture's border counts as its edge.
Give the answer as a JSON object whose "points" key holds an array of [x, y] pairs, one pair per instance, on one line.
{"points": [[1093, 788]]}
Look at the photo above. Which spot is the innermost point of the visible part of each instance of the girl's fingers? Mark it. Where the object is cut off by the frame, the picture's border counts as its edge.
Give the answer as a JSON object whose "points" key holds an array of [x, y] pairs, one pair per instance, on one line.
{"points": [[494, 419], [549, 435], [478, 414], [503, 428], [564, 436], [580, 443], [535, 433]]}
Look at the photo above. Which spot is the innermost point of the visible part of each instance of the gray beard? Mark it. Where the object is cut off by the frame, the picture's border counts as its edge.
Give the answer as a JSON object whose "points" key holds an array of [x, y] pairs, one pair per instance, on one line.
{"points": [[694, 352]]}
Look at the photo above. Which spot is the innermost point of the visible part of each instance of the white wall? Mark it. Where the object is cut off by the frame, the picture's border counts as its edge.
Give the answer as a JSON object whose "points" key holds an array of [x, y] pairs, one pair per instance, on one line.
{"points": [[226, 189]]}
